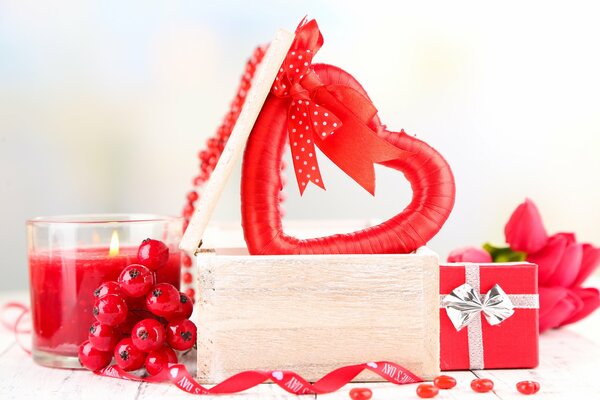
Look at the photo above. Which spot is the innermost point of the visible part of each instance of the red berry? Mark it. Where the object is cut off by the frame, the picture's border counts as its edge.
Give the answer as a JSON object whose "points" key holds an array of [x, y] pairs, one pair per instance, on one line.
{"points": [[103, 337], [187, 278], [361, 394], [190, 293], [135, 280], [92, 358], [157, 360], [186, 260], [427, 391], [181, 335], [528, 387], [148, 335], [153, 254], [444, 382], [163, 300], [110, 310], [110, 287], [482, 385], [185, 307], [128, 356]]}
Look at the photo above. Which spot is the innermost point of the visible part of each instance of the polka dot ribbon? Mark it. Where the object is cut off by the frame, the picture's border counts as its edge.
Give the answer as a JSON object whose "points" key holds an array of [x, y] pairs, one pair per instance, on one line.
{"points": [[333, 118], [289, 381]]}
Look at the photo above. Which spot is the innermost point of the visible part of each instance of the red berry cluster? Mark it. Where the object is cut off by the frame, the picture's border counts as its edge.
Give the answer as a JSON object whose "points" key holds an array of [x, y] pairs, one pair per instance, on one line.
{"points": [[139, 321], [209, 156]]}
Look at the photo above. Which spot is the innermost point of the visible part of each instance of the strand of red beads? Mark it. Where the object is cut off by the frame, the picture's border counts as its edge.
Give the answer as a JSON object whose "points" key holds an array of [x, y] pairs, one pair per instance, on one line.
{"points": [[211, 154]]}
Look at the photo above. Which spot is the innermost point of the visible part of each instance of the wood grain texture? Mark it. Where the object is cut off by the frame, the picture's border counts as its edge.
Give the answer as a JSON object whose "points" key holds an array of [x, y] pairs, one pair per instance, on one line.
{"points": [[314, 313], [265, 75]]}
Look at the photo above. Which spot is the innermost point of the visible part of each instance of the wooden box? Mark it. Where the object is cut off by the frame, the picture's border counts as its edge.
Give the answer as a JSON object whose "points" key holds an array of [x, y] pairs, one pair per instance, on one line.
{"points": [[308, 313], [314, 313]]}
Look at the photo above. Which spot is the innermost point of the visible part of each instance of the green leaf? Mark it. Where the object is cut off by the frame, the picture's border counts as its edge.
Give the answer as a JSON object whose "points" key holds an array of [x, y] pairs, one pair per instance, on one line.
{"points": [[504, 254]]}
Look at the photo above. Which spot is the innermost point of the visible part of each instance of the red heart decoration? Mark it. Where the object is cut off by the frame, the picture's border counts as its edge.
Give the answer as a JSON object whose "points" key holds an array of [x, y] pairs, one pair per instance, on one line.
{"points": [[429, 174]]}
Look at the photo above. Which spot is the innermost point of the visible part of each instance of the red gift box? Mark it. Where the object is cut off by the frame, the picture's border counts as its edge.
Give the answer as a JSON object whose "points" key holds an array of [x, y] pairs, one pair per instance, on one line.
{"points": [[511, 343]]}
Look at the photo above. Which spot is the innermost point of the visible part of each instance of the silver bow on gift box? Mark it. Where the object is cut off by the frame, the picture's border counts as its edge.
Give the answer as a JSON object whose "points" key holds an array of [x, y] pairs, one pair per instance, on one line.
{"points": [[463, 305]]}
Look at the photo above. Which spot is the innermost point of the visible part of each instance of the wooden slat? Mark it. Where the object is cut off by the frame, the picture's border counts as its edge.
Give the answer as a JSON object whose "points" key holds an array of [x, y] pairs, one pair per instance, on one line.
{"points": [[312, 314]]}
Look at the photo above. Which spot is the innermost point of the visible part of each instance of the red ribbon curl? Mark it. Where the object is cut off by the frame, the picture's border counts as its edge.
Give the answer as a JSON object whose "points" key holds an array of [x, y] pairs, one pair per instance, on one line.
{"points": [[289, 381], [335, 118]]}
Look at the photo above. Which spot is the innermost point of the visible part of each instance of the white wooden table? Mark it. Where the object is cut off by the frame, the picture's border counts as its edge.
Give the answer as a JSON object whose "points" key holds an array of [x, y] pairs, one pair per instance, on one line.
{"points": [[570, 364]]}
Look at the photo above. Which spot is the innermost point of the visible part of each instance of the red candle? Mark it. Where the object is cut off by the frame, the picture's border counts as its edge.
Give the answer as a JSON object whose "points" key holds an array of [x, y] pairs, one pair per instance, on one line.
{"points": [[62, 286], [69, 257]]}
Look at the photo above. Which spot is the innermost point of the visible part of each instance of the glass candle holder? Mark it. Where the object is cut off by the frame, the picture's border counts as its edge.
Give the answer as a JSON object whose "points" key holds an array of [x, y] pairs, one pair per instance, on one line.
{"points": [[69, 257]]}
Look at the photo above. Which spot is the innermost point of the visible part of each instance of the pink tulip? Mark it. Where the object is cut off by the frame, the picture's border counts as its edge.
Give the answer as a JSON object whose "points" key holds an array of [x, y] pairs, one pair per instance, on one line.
{"points": [[525, 230], [548, 257], [557, 305], [568, 266], [590, 298], [563, 266], [590, 260], [470, 254]]}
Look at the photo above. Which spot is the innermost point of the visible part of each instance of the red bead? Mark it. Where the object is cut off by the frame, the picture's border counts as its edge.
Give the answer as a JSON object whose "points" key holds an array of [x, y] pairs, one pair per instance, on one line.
{"points": [[427, 391], [203, 155], [361, 394], [192, 196], [186, 223], [163, 300], [282, 197], [152, 253], [187, 278], [156, 360], [444, 382], [135, 280], [104, 337], [186, 261], [199, 180], [127, 356], [148, 335], [92, 358], [110, 310], [212, 143], [190, 293], [188, 211], [181, 335], [528, 387], [244, 85], [212, 161], [482, 385], [206, 169]]}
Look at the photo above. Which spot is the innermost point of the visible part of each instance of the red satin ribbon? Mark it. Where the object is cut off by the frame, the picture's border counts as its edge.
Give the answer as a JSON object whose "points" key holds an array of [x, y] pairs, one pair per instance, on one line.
{"points": [[335, 118], [13, 325], [288, 380]]}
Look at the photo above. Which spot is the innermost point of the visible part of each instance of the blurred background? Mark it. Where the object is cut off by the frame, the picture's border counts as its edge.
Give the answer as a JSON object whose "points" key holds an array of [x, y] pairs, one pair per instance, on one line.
{"points": [[105, 105]]}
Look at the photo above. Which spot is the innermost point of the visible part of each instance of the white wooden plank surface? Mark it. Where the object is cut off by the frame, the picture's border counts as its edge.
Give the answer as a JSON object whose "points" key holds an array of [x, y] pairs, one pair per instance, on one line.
{"points": [[570, 360]]}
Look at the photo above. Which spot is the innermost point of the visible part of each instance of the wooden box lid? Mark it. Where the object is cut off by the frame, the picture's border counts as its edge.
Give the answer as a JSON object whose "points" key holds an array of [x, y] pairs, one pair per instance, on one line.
{"points": [[261, 85]]}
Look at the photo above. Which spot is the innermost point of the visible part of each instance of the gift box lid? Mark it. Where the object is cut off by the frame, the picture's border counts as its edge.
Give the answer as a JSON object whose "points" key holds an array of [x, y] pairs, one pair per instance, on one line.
{"points": [[261, 85]]}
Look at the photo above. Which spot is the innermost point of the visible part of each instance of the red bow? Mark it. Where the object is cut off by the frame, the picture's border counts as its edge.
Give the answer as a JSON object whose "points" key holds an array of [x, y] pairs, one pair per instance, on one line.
{"points": [[334, 117]]}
